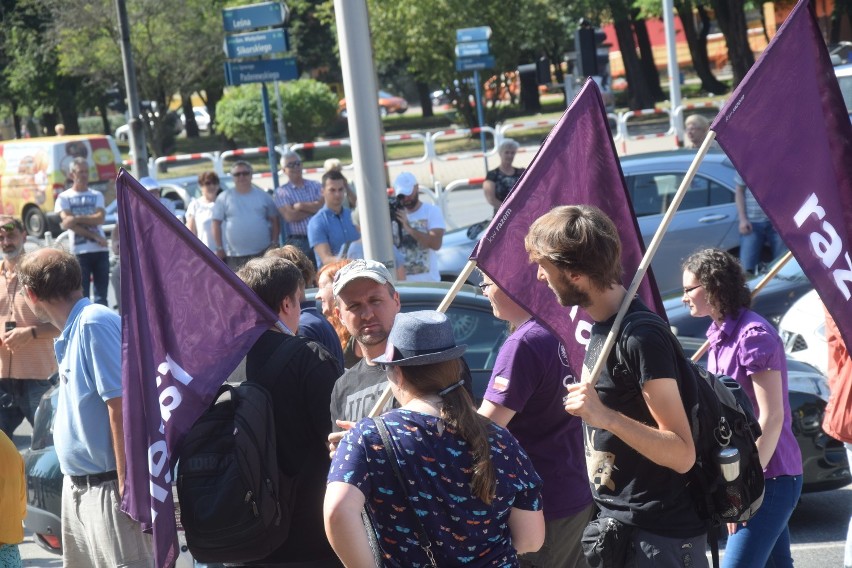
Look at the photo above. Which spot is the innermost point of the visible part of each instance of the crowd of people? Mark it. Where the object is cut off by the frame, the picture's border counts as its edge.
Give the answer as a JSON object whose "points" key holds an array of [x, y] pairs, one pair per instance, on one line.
{"points": [[429, 478]]}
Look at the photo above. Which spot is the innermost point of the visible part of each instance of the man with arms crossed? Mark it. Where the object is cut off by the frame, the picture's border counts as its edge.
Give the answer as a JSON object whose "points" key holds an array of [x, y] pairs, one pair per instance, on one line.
{"points": [[88, 431], [638, 439]]}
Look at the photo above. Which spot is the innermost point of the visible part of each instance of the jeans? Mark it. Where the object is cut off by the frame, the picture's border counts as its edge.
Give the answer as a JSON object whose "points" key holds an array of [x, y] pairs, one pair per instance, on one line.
{"points": [[751, 244], [19, 399], [847, 557], [95, 267], [765, 539]]}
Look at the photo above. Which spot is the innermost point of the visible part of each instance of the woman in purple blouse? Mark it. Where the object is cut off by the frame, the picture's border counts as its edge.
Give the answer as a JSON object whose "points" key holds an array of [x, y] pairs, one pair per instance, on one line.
{"points": [[747, 347]]}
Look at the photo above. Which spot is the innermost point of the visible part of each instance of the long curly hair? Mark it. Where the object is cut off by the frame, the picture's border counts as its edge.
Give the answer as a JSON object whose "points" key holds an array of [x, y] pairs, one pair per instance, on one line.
{"points": [[330, 270], [722, 277]]}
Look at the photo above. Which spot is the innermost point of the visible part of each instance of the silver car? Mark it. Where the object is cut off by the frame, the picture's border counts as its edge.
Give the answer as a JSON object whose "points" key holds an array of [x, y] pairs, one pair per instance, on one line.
{"points": [[707, 216]]}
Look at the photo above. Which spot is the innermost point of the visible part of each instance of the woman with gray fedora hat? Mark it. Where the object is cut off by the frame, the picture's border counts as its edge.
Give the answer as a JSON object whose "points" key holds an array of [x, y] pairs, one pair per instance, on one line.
{"points": [[442, 485]]}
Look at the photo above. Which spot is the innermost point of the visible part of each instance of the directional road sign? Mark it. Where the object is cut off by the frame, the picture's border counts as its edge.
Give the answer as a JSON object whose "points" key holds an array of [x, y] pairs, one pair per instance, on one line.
{"points": [[253, 44], [262, 71], [482, 33], [472, 49], [254, 16], [475, 63]]}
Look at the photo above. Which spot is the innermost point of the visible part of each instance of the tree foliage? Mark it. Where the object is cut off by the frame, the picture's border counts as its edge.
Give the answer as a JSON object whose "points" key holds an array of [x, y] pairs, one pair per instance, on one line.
{"points": [[310, 108]]}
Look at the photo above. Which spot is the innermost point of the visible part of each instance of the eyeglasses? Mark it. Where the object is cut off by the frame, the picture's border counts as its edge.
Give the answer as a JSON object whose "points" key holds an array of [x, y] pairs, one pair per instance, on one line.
{"points": [[212, 182], [241, 174], [484, 286], [293, 165], [686, 291]]}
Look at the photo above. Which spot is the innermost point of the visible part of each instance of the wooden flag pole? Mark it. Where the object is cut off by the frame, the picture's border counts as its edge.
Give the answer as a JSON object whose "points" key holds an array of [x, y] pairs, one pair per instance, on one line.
{"points": [[445, 304], [760, 285], [592, 376]]}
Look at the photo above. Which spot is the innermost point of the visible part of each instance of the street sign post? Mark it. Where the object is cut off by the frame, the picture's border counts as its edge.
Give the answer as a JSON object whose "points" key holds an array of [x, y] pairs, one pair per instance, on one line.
{"points": [[258, 44], [473, 53], [263, 15], [253, 44]]}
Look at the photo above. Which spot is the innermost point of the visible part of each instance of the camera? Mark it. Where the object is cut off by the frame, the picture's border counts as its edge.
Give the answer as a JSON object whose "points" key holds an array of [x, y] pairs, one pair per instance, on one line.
{"points": [[396, 204]]}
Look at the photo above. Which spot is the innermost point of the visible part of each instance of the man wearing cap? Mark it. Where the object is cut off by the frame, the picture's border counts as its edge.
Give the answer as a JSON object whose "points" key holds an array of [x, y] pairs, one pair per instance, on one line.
{"points": [[422, 226], [26, 344], [297, 200], [81, 211], [245, 221]]}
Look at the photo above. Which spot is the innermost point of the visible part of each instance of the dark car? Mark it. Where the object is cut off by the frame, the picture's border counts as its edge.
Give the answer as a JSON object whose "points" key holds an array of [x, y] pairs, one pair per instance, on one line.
{"points": [[772, 302]]}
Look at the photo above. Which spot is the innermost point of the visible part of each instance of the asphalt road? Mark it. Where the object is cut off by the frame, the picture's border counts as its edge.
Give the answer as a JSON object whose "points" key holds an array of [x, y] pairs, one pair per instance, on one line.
{"points": [[817, 528]]}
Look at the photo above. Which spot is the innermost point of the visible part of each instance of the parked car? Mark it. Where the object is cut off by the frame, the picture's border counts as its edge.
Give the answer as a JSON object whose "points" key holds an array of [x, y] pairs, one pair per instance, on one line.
{"points": [[844, 79], [803, 331], [122, 133], [388, 103], [707, 216], [202, 118], [772, 302]]}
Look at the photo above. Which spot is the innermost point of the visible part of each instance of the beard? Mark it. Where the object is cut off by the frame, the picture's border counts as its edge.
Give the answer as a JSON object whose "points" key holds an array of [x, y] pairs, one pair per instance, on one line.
{"points": [[13, 254], [569, 294]]}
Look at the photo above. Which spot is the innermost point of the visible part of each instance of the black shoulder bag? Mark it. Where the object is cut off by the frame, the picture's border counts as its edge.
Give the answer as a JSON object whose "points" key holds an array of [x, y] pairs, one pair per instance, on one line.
{"points": [[419, 529]]}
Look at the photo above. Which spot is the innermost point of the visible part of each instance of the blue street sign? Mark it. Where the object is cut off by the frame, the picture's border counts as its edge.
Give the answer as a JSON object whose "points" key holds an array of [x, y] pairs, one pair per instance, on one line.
{"points": [[482, 33], [253, 44], [262, 71], [472, 49], [254, 16], [474, 63]]}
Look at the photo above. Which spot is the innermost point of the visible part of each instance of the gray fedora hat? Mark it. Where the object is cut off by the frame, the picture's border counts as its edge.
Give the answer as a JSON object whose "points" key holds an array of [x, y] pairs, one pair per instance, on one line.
{"points": [[420, 338]]}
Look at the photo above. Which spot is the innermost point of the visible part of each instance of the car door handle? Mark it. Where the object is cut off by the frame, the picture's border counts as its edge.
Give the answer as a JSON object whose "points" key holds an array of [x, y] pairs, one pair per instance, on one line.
{"points": [[712, 218]]}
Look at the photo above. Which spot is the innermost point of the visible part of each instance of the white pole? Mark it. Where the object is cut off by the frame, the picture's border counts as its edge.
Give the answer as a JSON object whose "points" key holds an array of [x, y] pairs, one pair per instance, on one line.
{"points": [[674, 69], [362, 109]]}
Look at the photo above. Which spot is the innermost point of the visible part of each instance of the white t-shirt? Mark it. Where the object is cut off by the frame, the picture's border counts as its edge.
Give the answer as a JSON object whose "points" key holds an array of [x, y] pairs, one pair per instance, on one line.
{"points": [[202, 211], [421, 264], [82, 203]]}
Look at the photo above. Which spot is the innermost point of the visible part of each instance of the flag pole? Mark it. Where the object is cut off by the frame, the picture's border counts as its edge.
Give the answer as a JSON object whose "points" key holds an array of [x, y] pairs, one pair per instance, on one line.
{"points": [[760, 285], [592, 376], [445, 304]]}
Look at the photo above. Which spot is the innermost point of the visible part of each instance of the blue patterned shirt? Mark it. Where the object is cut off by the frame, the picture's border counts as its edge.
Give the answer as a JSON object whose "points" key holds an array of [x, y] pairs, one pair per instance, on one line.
{"points": [[437, 463]]}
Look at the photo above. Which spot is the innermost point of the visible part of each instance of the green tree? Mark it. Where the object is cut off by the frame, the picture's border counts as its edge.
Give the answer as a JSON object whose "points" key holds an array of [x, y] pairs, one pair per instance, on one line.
{"points": [[310, 108]]}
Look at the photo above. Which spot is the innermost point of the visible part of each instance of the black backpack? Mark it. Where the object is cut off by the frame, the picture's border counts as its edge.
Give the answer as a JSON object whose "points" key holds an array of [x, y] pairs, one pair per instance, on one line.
{"points": [[724, 431], [235, 503]]}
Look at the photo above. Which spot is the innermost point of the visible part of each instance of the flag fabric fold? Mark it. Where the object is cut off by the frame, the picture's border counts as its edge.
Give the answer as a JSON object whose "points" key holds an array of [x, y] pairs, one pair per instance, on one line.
{"points": [[787, 132], [187, 321], [576, 165]]}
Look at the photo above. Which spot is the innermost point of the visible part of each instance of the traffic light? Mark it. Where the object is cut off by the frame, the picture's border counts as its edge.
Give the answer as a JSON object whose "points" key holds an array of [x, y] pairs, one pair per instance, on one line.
{"points": [[592, 52], [115, 99]]}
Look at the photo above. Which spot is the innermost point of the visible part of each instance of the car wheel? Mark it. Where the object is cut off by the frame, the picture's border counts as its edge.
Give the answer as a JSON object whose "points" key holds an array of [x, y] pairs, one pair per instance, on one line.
{"points": [[464, 326], [34, 221]]}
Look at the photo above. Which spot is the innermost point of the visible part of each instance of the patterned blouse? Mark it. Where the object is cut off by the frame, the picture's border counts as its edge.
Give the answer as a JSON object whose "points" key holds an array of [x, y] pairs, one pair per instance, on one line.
{"points": [[437, 464]]}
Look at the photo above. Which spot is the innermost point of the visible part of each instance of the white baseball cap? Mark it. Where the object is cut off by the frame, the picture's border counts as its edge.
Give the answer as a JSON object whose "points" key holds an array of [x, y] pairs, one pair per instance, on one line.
{"points": [[404, 184]]}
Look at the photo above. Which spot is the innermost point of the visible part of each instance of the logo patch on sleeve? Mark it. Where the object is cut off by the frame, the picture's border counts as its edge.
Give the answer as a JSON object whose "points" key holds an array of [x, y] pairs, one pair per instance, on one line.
{"points": [[501, 383]]}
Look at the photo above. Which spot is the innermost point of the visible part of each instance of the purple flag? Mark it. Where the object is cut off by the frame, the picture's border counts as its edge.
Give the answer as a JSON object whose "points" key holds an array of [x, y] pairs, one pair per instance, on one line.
{"points": [[577, 164], [187, 322], [787, 131]]}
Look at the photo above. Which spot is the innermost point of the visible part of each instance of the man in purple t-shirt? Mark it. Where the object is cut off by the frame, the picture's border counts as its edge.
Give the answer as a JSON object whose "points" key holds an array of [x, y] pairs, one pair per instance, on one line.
{"points": [[524, 395]]}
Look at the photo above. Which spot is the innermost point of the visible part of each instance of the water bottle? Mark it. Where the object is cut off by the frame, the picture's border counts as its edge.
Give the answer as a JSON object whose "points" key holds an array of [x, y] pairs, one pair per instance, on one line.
{"points": [[729, 462]]}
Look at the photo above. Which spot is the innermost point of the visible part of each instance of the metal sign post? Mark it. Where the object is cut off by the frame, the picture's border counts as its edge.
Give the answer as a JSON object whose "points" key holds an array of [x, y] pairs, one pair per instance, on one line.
{"points": [[473, 54]]}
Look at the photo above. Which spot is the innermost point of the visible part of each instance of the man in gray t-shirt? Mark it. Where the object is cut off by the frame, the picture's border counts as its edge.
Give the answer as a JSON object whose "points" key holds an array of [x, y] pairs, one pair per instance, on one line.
{"points": [[245, 220]]}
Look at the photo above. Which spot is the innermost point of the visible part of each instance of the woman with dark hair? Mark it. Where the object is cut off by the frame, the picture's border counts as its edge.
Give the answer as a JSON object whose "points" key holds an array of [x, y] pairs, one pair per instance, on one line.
{"points": [[470, 495], [199, 214], [747, 347]]}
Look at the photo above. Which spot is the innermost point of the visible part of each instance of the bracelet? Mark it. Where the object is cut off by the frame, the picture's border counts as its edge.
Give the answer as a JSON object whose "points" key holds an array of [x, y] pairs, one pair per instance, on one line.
{"points": [[33, 331]]}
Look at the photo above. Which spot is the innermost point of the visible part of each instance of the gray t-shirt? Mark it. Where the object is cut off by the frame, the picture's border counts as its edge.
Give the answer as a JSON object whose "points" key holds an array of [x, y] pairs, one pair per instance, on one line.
{"points": [[245, 221]]}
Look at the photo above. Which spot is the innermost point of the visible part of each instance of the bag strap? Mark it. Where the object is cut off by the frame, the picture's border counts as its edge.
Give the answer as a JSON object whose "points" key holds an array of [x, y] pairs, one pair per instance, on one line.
{"points": [[419, 530]]}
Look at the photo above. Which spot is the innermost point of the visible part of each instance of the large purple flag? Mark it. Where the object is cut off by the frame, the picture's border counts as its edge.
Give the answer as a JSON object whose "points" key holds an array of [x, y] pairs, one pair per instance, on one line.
{"points": [[787, 131], [577, 164], [187, 321]]}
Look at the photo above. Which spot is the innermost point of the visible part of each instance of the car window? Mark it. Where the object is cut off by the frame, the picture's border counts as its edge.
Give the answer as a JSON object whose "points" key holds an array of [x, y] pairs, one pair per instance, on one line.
{"points": [[653, 193], [846, 89]]}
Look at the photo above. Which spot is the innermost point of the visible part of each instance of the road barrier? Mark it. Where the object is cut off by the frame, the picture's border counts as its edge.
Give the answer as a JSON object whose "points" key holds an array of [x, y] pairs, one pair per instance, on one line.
{"points": [[670, 130]]}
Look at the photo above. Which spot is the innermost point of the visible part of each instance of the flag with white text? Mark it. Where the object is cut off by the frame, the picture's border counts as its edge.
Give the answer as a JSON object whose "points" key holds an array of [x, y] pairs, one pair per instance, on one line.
{"points": [[187, 321], [787, 131], [576, 165]]}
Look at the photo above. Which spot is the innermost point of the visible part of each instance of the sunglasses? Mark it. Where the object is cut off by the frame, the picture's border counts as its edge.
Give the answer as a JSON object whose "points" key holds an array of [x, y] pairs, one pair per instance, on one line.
{"points": [[293, 165], [8, 227], [241, 174], [210, 183]]}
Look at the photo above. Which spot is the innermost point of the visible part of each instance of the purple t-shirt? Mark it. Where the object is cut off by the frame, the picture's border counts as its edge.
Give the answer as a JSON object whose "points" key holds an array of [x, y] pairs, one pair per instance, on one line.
{"points": [[746, 344], [527, 378]]}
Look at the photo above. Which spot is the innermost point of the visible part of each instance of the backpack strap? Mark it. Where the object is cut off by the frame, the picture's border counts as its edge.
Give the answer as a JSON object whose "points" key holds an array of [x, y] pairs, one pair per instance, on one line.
{"points": [[279, 358]]}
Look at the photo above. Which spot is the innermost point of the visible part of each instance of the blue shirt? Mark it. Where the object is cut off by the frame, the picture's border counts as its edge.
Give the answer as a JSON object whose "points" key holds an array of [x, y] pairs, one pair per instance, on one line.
{"points": [[437, 462], [89, 355], [335, 229], [314, 326]]}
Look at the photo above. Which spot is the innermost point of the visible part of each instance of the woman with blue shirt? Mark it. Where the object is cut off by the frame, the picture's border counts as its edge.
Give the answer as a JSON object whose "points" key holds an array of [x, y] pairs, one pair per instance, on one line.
{"points": [[470, 486], [747, 347]]}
